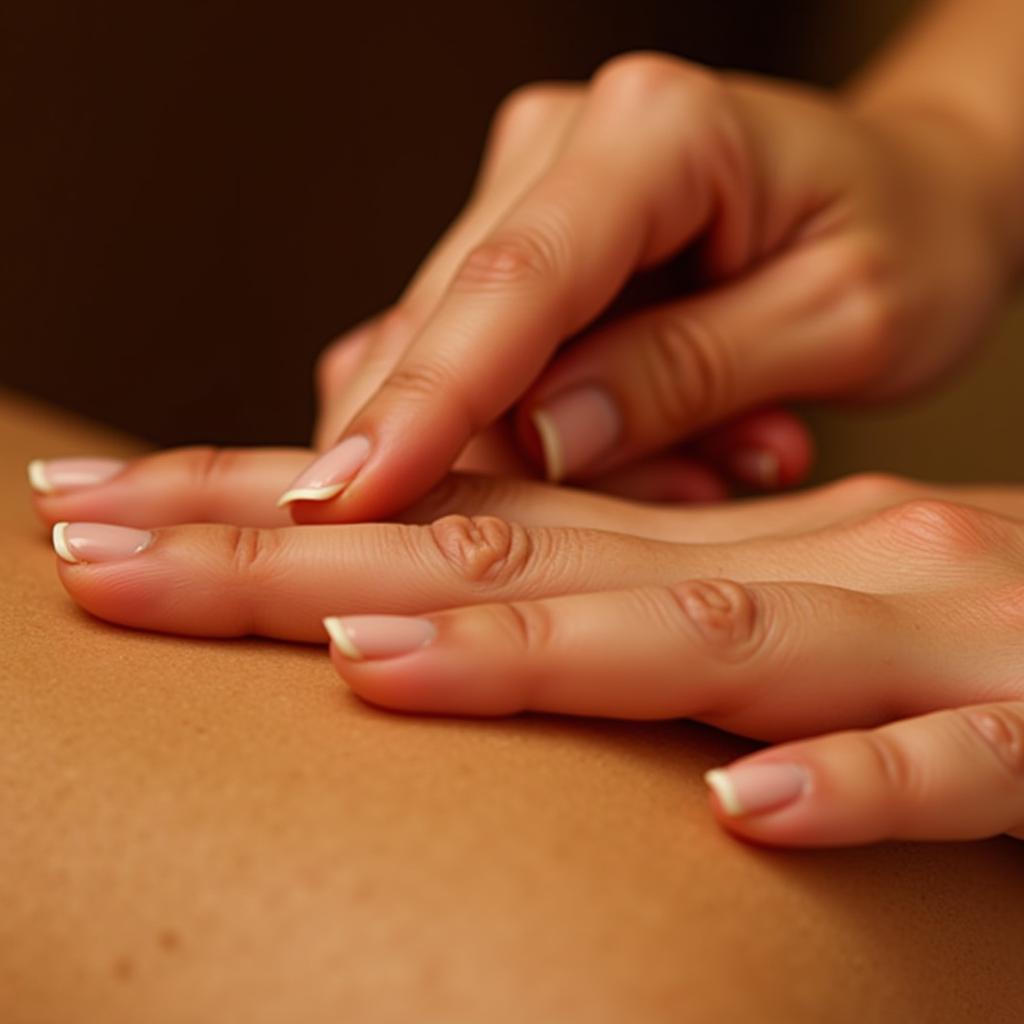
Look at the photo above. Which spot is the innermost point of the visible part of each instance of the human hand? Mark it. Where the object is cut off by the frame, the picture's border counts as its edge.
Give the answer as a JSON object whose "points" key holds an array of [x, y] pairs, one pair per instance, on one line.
{"points": [[842, 256], [877, 612], [765, 449]]}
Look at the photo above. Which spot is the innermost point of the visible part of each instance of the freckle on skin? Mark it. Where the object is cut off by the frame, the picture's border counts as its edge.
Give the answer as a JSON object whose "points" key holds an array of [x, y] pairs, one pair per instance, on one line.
{"points": [[124, 968], [169, 940]]}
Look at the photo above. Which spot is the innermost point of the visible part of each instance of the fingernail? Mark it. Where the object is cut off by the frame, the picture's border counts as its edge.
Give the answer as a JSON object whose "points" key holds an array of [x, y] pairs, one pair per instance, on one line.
{"points": [[98, 542], [378, 636], [328, 475], [756, 466], [60, 476], [575, 428], [755, 788]]}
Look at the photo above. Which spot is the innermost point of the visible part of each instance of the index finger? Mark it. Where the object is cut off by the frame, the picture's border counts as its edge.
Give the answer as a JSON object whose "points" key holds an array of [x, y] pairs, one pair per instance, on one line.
{"points": [[654, 153]]}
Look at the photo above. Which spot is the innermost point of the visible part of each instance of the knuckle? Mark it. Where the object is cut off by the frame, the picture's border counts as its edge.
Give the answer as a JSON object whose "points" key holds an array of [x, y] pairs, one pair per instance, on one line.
{"points": [[527, 108], [250, 551], [513, 260], [934, 527], [421, 383], [864, 492], [209, 466], [861, 279], [528, 625], [1002, 730], [689, 379], [891, 763], [724, 615], [640, 76], [420, 380], [483, 549]]}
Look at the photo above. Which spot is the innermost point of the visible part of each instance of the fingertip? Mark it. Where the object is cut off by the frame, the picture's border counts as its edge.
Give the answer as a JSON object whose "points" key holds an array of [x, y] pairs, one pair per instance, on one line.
{"points": [[766, 449], [37, 478], [320, 494]]}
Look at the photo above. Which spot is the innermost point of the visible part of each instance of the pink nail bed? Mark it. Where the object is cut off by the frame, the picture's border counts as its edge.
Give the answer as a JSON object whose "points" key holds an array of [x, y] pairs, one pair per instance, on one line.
{"points": [[98, 542], [61, 476], [575, 428], [757, 787], [326, 477], [378, 636]]}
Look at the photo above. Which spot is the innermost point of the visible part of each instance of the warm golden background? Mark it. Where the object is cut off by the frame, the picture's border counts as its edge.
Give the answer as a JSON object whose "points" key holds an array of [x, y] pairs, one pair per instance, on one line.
{"points": [[196, 196]]}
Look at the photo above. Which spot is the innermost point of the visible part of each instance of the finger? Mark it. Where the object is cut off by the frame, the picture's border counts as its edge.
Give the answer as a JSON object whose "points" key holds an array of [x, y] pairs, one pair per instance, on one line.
{"points": [[239, 486], [613, 203], [766, 449], [655, 378], [756, 655], [524, 140], [954, 774], [232, 581], [183, 485], [335, 369]]}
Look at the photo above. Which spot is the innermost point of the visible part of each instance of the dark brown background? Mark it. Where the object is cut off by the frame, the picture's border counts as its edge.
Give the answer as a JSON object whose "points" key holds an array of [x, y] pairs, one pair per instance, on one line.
{"points": [[197, 196]]}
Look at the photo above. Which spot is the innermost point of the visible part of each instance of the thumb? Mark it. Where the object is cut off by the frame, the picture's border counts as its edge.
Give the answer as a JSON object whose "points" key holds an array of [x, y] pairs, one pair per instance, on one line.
{"points": [[809, 323]]}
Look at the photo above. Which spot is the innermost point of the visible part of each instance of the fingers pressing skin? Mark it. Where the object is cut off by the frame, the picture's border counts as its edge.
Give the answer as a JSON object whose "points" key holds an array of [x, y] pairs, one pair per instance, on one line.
{"points": [[546, 270], [952, 774], [239, 486]]}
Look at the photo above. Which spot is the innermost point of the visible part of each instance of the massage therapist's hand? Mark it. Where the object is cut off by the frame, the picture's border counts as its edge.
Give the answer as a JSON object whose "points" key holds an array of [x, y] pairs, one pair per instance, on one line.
{"points": [[764, 449], [842, 256], [872, 629]]}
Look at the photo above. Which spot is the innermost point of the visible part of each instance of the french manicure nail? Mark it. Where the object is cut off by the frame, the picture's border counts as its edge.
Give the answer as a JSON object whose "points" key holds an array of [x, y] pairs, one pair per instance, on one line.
{"points": [[378, 636], [98, 542], [328, 476], [757, 787], [61, 476], [756, 466], [575, 428]]}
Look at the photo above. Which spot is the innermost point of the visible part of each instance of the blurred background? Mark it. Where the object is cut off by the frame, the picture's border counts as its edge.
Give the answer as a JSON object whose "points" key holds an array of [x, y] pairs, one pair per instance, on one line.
{"points": [[197, 196]]}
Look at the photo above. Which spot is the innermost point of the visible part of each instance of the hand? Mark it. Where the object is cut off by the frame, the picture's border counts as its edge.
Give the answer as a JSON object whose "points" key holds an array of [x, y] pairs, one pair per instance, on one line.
{"points": [[841, 256], [875, 607], [765, 449]]}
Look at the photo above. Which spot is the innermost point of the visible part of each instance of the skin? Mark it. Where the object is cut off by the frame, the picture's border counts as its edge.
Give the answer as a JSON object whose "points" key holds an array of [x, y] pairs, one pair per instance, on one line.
{"points": [[216, 831]]}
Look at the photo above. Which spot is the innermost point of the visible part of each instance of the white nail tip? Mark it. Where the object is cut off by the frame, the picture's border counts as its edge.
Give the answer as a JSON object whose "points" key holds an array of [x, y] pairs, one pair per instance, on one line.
{"points": [[60, 543], [339, 635], [37, 477], [551, 444], [310, 494], [721, 785]]}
